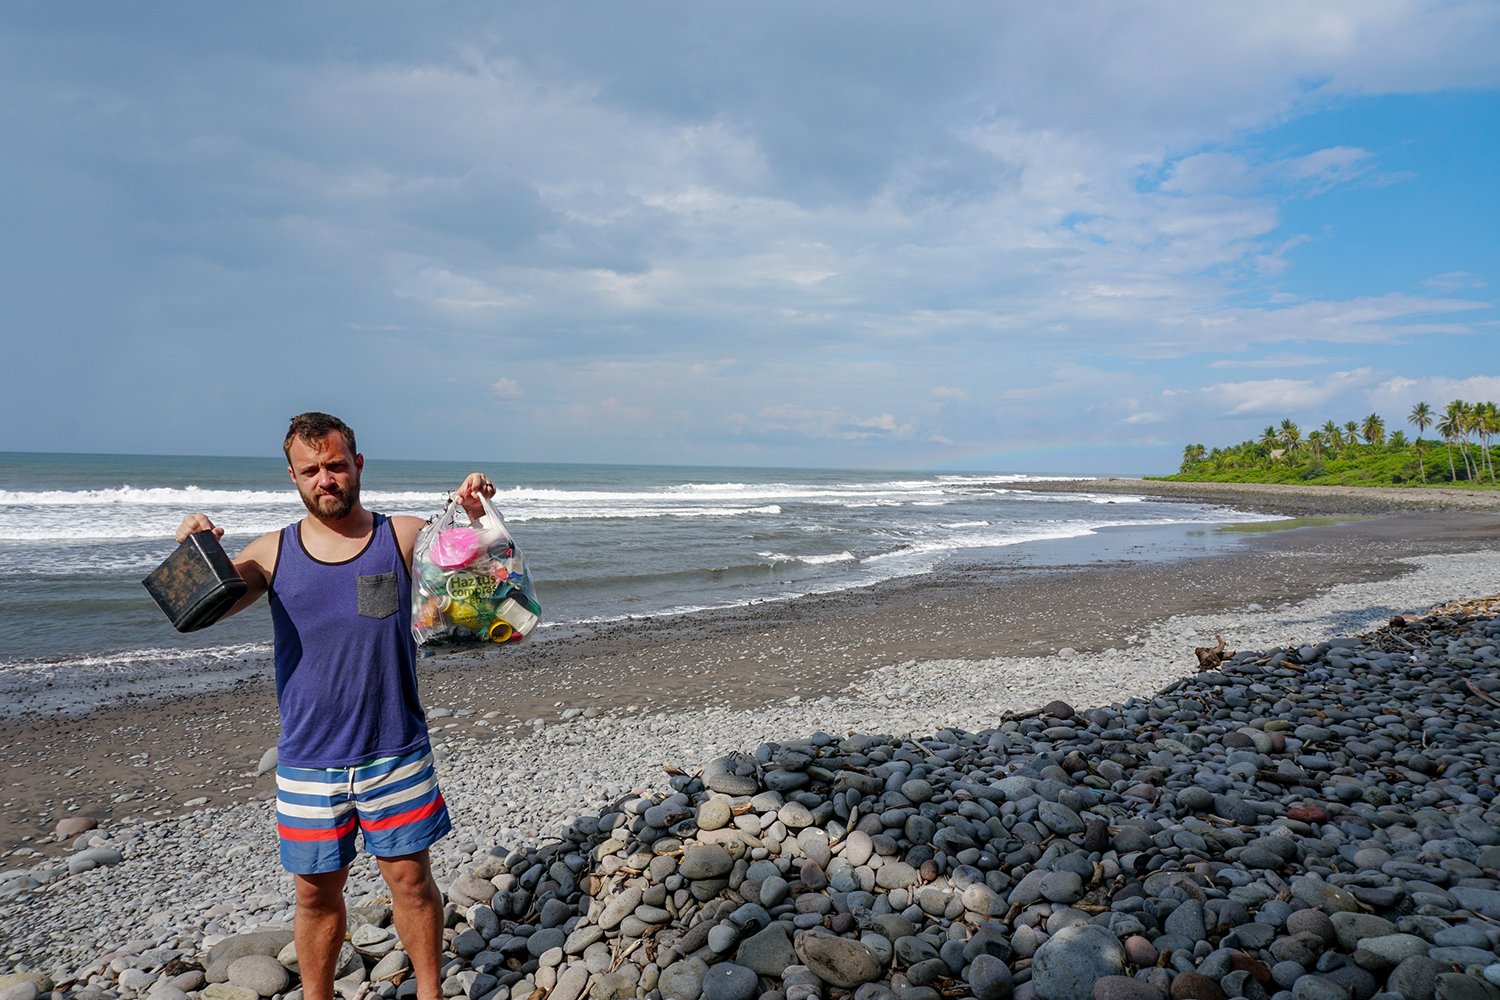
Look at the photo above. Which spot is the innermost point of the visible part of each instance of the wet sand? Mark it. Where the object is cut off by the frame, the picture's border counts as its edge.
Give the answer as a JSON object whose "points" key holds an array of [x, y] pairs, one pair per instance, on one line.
{"points": [[147, 759]]}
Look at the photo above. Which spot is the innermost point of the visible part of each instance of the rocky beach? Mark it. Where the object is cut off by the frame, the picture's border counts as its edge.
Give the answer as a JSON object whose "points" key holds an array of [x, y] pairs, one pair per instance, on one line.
{"points": [[1002, 780]]}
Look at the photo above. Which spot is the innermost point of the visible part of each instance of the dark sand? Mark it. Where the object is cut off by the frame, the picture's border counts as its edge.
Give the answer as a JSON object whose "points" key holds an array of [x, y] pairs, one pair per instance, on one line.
{"points": [[1027, 600]]}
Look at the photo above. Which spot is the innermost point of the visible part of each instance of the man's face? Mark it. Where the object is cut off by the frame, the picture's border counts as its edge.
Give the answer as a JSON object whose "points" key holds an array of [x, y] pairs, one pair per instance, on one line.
{"points": [[327, 476]]}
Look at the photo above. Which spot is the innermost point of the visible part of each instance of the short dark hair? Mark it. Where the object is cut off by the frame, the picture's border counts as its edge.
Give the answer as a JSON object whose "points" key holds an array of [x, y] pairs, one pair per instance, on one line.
{"points": [[312, 427]]}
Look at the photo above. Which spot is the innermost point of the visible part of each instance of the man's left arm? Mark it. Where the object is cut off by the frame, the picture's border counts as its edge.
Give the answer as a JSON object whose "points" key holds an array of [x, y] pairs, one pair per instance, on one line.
{"points": [[475, 485]]}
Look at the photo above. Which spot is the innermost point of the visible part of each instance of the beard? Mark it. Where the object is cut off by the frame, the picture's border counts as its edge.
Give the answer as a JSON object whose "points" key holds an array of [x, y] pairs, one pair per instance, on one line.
{"points": [[332, 504]]}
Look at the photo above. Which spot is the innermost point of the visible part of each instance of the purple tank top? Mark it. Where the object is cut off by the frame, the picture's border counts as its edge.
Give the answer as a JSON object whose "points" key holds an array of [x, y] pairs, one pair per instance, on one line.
{"points": [[346, 676]]}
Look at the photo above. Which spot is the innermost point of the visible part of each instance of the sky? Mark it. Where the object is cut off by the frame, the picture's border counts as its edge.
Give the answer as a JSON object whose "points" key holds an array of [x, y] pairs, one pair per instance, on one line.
{"points": [[1068, 237]]}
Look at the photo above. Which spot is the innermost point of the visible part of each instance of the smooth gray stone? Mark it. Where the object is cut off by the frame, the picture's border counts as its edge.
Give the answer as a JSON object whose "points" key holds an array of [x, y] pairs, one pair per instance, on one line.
{"points": [[1253, 936], [722, 936], [392, 963], [1187, 921], [543, 940], [1311, 921], [1485, 902], [1415, 978], [93, 857], [719, 775], [1318, 988], [1303, 949], [683, 980], [571, 983], [768, 951], [1471, 935], [216, 968], [623, 905], [912, 949], [583, 936], [261, 973], [1059, 818], [894, 926], [1061, 886], [895, 875], [1357, 981], [1457, 986], [715, 813], [1476, 829], [1394, 948], [1068, 963], [704, 861], [1351, 928], [837, 960], [857, 848], [728, 981], [1461, 956], [989, 978], [1329, 898]]}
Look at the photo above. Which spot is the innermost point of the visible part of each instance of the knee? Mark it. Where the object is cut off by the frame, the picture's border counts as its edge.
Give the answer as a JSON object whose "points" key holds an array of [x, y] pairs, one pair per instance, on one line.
{"points": [[410, 880], [321, 893]]}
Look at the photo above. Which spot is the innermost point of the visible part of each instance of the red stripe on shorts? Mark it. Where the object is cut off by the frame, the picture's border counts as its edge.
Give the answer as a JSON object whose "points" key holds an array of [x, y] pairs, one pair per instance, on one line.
{"points": [[332, 833], [410, 816]]}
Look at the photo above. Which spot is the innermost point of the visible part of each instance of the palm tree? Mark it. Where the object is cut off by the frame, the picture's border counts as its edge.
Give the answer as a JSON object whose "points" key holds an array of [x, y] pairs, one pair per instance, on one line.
{"points": [[1457, 415], [1291, 436], [1192, 454], [1315, 441], [1421, 418], [1331, 434], [1487, 423], [1397, 441], [1270, 439], [1450, 427], [1351, 433], [1373, 429]]}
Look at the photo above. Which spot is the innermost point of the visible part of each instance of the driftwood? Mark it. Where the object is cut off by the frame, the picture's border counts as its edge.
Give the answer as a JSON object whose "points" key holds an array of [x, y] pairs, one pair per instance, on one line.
{"points": [[1210, 657]]}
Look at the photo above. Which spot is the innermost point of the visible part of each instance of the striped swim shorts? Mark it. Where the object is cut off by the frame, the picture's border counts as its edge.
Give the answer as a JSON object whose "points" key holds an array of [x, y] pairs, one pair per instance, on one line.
{"points": [[394, 801]]}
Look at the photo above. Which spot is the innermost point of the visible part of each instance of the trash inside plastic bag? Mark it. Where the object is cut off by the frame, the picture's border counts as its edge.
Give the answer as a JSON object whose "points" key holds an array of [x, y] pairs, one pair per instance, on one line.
{"points": [[471, 582]]}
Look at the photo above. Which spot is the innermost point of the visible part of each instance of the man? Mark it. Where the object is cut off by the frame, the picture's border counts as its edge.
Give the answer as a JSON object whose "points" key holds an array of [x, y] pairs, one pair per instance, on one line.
{"points": [[353, 754]]}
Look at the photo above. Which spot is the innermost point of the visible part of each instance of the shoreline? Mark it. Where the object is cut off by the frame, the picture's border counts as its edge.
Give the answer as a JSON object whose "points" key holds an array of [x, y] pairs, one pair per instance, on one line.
{"points": [[145, 760], [1282, 498]]}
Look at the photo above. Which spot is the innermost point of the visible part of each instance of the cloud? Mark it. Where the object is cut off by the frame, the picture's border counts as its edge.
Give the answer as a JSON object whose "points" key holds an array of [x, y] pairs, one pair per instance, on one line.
{"points": [[830, 423], [1455, 281], [1279, 361], [1401, 393], [1324, 169], [1282, 395], [507, 388]]}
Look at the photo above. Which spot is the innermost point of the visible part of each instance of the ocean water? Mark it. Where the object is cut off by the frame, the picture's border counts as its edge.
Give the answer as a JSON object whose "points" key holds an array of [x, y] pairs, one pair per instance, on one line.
{"points": [[79, 532]]}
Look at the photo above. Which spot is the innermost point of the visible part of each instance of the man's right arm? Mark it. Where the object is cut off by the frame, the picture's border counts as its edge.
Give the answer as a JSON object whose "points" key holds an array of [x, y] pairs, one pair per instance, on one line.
{"points": [[254, 565]]}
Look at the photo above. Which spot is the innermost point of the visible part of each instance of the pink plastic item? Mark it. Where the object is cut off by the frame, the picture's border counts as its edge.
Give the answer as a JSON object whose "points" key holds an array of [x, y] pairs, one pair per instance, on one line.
{"points": [[455, 548]]}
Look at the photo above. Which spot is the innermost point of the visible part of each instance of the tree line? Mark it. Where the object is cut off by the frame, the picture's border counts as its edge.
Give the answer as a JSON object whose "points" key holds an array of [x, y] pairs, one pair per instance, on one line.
{"points": [[1361, 451]]}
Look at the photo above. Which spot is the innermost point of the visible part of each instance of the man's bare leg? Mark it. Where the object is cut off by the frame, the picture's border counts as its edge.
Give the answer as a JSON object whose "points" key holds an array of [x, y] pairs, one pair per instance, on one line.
{"points": [[319, 930], [418, 908]]}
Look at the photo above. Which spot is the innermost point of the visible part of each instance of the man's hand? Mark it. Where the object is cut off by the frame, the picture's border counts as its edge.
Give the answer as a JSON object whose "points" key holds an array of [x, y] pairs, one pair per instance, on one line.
{"points": [[475, 485], [194, 523]]}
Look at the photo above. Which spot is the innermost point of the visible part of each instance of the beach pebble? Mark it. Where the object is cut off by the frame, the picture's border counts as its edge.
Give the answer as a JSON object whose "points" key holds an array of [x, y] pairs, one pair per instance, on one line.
{"points": [[837, 960], [267, 762], [72, 826], [1067, 964], [728, 981], [260, 973]]}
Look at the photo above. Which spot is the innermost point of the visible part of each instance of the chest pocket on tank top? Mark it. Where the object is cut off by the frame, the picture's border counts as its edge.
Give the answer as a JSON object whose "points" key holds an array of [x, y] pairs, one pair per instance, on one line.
{"points": [[376, 595]]}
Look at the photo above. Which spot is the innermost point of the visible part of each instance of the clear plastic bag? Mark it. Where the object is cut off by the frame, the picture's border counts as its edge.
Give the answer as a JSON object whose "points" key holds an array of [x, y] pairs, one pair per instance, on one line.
{"points": [[470, 581]]}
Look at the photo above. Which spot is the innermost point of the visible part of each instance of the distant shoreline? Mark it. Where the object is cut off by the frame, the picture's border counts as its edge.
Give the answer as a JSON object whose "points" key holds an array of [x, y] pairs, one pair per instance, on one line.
{"points": [[1281, 498]]}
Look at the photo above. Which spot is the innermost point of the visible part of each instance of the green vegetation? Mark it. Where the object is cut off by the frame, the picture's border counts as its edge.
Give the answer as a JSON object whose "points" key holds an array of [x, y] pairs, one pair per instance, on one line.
{"points": [[1360, 453]]}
